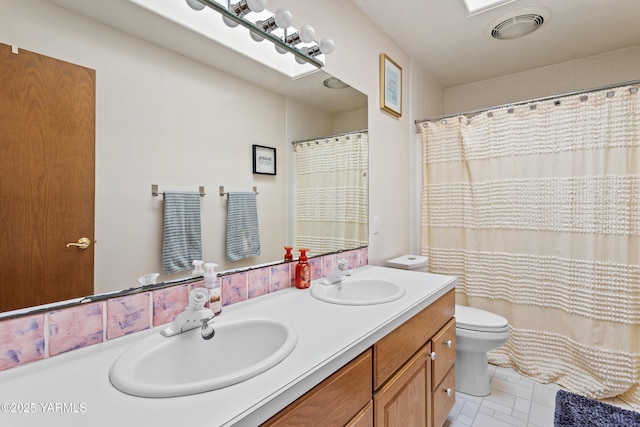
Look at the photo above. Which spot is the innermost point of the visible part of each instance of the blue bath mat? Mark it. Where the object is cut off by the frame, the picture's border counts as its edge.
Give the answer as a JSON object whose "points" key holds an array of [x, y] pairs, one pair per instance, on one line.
{"points": [[573, 410]]}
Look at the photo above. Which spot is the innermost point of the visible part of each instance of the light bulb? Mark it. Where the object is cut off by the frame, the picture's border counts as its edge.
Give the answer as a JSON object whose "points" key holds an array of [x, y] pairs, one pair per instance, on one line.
{"points": [[327, 45], [300, 60], [257, 5], [195, 5], [280, 49], [307, 33], [254, 35], [283, 18], [228, 22]]}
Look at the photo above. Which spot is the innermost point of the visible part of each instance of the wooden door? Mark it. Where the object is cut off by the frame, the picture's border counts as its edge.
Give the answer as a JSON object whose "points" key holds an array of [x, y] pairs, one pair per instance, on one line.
{"points": [[47, 152]]}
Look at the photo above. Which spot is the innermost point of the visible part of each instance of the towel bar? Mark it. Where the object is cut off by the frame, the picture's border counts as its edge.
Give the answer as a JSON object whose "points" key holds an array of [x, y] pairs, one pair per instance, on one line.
{"points": [[222, 192], [156, 193]]}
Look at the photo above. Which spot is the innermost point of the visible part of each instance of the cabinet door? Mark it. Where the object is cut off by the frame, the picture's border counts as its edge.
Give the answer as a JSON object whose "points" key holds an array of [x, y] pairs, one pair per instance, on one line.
{"points": [[402, 401]]}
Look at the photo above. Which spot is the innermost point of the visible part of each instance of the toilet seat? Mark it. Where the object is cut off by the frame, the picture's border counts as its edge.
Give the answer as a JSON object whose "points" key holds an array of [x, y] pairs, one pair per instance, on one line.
{"points": [[475, 319]]}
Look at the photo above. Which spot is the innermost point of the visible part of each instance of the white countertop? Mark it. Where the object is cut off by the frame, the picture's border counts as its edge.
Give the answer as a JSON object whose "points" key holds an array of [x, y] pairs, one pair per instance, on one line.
{"points": [[73, 389]]}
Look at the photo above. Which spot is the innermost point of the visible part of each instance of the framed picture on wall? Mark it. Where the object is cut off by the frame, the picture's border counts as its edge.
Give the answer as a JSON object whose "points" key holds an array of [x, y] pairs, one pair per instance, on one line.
{"points": [[264, 160], [390, 86]]}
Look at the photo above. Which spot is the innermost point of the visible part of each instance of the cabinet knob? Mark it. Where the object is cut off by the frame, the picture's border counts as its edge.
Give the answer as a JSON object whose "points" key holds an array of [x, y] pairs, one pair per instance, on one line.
{"points": [[449, 343], [433, 355], [449, 392]]}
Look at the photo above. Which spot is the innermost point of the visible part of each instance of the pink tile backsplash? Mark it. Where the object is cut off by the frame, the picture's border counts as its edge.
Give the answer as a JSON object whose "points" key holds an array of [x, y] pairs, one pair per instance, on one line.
{"points": [[316, 268], [22, 339], [329, 263], [281, 276], [234, 288], [75, 327], [129, 314], [259, 281], [168, 303]]}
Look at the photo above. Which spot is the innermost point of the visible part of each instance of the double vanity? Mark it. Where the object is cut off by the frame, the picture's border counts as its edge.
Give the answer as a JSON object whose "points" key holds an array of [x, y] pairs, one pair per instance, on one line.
{"points": [[329, 355]]}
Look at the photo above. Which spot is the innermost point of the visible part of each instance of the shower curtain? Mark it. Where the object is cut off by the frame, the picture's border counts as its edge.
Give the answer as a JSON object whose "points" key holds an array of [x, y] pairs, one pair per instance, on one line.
{"points": [[332, 195], [536, 208]]}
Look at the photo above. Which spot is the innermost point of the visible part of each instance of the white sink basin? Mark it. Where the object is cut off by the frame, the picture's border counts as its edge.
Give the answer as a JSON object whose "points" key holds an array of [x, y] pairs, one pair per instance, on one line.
{"points": [[187, 364], [358, 291]]}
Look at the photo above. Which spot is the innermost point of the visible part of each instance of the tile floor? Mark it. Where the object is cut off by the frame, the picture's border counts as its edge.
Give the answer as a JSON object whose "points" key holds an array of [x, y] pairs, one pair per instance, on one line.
{"points": [[515, 401]]}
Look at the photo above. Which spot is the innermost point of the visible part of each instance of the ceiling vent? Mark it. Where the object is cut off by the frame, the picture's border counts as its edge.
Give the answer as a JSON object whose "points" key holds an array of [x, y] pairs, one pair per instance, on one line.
{"points": [[518, 23]]}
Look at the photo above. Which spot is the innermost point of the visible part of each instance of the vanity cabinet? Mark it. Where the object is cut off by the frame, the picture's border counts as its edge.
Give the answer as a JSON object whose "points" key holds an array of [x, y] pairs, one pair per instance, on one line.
{"points": [[406, 379]]}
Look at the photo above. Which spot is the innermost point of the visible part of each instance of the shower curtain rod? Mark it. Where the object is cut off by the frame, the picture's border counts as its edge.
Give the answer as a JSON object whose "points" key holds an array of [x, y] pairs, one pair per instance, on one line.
{"points": [[530, 101], [353, 132]]}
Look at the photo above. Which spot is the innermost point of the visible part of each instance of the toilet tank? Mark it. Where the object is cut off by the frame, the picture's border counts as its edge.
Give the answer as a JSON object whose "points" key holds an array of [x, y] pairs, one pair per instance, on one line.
{"points": [[409, 262]]}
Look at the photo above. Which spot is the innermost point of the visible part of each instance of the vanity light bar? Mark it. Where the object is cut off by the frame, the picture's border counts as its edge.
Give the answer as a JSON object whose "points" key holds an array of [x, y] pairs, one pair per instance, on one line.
{"points": [[260, 31]]}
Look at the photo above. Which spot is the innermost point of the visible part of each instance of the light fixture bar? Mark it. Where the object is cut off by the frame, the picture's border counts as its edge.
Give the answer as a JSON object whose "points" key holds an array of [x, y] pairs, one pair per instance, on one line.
{"points": [[267, 35]]}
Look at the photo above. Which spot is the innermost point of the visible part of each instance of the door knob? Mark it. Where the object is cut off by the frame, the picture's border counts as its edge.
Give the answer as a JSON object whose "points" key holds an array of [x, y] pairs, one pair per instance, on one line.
{"points": [[83, 243]]}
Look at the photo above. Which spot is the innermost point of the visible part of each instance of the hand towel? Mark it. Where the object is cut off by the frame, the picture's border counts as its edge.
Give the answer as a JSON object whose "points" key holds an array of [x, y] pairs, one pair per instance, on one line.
{"points": [[243, 237], [182, 240]]}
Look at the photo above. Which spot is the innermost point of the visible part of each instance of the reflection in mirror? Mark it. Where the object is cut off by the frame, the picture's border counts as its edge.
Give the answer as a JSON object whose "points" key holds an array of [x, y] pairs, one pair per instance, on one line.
{"points": [[332, 192], [167, 115]]}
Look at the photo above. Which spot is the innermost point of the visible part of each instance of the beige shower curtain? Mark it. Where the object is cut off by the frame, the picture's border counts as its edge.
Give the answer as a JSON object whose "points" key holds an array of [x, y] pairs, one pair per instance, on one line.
{"points": [[332, 196], [536, 208]]}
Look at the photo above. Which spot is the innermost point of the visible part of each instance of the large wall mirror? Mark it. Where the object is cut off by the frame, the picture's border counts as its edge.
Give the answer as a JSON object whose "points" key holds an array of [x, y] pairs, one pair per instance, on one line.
{"points": [[175, 110]]}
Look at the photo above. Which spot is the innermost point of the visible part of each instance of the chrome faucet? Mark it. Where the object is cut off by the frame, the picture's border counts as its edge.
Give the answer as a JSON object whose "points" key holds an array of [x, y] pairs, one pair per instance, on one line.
{"points": [[338, 275], [195, 315]]}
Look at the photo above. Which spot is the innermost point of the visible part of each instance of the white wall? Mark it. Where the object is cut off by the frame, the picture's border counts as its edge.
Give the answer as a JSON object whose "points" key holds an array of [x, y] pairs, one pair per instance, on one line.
{"points": [[594, 71]]}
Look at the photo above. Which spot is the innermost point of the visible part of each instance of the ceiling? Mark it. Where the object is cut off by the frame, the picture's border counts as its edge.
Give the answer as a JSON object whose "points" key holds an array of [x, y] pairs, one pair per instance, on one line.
{"points": [[452, 46]]}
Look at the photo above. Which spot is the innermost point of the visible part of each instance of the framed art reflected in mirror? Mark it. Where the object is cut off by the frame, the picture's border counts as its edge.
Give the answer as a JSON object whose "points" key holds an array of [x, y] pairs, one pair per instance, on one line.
{"points": [[264, 160]]}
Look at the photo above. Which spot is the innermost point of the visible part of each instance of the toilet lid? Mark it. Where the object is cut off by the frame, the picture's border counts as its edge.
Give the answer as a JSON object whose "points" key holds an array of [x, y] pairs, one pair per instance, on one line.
{"points": [[479, 320]]}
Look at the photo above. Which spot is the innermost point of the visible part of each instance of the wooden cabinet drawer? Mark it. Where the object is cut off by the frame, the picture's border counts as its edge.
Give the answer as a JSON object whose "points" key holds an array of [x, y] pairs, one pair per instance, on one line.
{"points": [[443, 344], [444, 396], [392, 351], [333, 402]]}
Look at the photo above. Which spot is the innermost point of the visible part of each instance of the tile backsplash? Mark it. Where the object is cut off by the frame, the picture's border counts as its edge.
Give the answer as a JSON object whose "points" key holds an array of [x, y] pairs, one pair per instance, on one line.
{"points": [[39, 336]]}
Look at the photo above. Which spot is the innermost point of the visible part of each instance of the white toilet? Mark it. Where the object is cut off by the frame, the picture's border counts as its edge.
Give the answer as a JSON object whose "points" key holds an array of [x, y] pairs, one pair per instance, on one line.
{"points": [[477, 332]]}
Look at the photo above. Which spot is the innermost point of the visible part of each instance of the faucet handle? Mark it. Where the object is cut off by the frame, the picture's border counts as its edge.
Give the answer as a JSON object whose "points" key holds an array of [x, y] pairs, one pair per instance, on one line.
{"points": [[343, 264], [197, 299]]}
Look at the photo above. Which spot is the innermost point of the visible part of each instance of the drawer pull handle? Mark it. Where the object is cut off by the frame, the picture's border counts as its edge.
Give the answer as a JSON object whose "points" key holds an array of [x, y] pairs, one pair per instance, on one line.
{"points": [[449, 392], [433, 355], [449, 343]]}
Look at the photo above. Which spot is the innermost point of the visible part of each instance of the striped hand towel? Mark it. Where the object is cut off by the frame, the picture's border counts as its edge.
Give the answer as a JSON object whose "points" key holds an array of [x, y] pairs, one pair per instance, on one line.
{"points": [[243, 238], [182, 241]]}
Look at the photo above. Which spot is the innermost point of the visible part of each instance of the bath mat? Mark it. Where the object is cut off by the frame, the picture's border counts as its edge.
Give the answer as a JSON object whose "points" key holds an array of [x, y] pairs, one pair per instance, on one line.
{"points": [[573, 410]]}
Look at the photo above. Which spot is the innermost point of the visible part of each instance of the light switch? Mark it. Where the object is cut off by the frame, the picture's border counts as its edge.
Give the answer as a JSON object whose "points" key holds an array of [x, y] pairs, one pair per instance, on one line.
{"points": [[376, 224]]}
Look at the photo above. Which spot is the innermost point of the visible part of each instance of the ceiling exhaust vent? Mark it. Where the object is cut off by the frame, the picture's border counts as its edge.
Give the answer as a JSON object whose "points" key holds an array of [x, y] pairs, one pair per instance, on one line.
{"points": [[518, 23]]}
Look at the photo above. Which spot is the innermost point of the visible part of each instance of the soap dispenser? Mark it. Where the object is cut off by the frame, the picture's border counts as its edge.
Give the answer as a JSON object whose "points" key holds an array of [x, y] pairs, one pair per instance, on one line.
{"points": [[212, 285], [198, 267], [288, 256], [303, 271]]}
